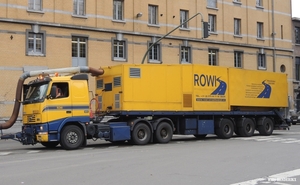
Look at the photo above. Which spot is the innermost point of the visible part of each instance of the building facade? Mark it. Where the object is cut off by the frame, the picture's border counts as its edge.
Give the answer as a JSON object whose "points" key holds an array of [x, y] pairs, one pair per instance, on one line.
{"points": [[39, 34], [296, 46]]}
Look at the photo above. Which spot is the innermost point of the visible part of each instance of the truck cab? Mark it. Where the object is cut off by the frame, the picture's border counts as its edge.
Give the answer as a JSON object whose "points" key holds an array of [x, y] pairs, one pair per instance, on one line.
{"points": [[53, 104]]}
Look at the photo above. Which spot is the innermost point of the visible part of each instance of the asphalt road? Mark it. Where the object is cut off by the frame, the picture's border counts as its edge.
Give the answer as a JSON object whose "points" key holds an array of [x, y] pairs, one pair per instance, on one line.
{"points": [[185, 160]]}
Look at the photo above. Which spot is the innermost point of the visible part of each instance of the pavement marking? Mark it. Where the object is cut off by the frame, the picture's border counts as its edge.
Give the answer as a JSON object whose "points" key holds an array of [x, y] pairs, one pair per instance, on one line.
{"points": [[270, 139], [5, 153], [33, 152], [277, 178]]}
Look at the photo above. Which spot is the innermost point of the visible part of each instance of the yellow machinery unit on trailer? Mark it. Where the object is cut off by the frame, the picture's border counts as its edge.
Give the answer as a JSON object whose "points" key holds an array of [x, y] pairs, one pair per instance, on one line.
{"points": [[189, 88]]}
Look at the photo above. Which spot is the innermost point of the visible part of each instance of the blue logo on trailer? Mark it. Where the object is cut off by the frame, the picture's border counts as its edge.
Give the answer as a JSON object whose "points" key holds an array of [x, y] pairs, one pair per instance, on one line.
{"points": [[266, 93], [211, 80], [221, 89]]}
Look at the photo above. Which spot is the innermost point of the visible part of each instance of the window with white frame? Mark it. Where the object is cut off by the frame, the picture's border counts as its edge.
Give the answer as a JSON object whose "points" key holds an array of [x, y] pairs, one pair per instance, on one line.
{"points": [[297, 35], [237, 26], [184, 16], [35, 5], [260, 30], [155, 53], [118, 9], [259, 3], [152, 14], [185, 54], [297, 68], [212, 57], [212, 3], [79, 7], [119, 50], [237, 1], [35, 43], [261, 57], [238, 57], [212, 22]]}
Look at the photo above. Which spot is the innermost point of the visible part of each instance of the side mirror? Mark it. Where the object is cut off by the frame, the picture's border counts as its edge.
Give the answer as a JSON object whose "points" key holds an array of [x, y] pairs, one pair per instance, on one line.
{"points": [[52, 92]]}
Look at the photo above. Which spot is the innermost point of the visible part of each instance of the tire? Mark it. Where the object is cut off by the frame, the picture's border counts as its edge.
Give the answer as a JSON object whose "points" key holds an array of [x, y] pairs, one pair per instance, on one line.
{"points": [[52, 144], [163, 133], [247, 129], [71, 137], [294, 123], [266, 127], [200, 136], [225, 131], [141, 134]]}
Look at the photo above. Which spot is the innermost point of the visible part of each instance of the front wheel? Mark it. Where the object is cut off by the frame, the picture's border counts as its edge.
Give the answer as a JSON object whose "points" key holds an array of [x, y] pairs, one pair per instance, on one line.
{"points": [[141, 134], [71, 137]]}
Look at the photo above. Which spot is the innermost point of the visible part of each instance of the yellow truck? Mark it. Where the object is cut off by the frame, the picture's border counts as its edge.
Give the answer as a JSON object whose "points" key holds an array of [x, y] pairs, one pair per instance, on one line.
{"points": [[149, 103]]}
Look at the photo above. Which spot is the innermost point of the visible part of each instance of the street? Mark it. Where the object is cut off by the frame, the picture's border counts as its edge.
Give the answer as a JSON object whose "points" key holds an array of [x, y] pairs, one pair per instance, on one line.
{"points": [[185, 160]]}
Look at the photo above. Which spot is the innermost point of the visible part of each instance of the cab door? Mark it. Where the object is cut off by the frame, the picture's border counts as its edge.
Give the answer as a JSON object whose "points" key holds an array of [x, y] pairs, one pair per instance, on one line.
{"points": [[59, 106]]}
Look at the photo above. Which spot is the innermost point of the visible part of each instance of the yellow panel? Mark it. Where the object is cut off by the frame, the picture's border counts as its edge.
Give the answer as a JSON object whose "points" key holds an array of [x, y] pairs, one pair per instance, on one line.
{"points": [[210, 88], [257, 88]]}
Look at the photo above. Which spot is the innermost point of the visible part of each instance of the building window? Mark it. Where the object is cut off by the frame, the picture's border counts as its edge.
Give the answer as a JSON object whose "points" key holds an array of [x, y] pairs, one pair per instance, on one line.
{"points": [[238, 57], [79, 7], [212, 22], [35, 5], [212, 3], [118, 10], [79, 51], [152, 14], [184, 16], [35, 42], [297, 68], [261, 61], [212, 57], [297, 35], [260, 30], [259, 3], [237, 1], [155, 53], [237, 26], [185, 54], [119, 50]]}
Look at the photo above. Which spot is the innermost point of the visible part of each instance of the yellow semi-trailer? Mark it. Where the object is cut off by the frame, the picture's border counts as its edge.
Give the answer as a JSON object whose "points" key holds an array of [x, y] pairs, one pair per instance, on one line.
{"points": [[147, 103], [157, 101]]}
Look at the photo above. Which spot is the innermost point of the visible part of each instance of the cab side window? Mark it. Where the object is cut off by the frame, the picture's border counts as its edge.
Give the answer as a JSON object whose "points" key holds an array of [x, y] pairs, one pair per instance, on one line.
{"points": [[61, 90]]}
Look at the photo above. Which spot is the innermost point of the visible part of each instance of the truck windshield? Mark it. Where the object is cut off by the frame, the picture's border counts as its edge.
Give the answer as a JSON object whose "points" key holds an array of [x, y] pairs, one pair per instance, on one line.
{"points": [[36, 93]]}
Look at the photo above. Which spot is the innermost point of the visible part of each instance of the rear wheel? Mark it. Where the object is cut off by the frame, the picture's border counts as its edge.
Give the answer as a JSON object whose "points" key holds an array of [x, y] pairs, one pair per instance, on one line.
{"points": [[266, 126], [163, 133], [248, 128], [141, 134], [51, 144], [71, 137], [225, 129]]}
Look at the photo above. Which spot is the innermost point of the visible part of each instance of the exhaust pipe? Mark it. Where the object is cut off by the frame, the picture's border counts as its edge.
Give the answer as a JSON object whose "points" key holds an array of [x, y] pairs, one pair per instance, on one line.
{"points": [[24, 76]]}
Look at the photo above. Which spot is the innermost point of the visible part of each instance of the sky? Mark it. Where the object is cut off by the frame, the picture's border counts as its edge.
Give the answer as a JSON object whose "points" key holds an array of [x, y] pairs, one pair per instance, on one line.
{"points": [[296, 8]]}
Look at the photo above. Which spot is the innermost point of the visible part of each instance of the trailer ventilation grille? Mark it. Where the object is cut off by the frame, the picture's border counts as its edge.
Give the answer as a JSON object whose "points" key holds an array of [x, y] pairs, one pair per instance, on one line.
{"points": [[117, 101], [187, 100], [135, 72], [99, 84], [117, 81]]}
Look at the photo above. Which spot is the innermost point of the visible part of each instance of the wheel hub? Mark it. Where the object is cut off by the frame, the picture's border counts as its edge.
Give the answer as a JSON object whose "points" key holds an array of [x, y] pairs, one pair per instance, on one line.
{"points": [[72, 137]]}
